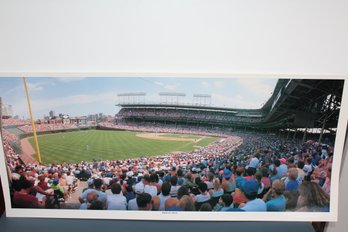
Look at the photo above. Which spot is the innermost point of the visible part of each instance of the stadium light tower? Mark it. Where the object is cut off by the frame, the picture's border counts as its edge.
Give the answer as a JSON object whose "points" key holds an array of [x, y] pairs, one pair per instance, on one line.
{"points": [[7, 110], [202, 99], [171, 98], [131, 98]]}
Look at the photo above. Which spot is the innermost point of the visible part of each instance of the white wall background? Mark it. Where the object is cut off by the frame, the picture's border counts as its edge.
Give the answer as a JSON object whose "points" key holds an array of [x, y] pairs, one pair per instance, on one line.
{"points": [[181, 36]]}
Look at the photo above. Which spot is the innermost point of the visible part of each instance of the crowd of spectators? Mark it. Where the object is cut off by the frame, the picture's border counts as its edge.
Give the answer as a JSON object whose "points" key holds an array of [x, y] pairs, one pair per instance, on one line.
{"points": [[240, 172], [14, 122], [11, 155], [159, 128], [46, 127], [189, 114]]}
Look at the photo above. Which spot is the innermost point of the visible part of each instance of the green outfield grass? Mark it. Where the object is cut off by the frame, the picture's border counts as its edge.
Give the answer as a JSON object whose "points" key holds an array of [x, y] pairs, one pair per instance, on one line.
{"points": [[107, 145]]}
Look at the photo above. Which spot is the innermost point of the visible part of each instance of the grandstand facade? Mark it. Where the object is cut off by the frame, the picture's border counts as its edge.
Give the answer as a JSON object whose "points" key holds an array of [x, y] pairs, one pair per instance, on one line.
{"points": [[295, 103]]}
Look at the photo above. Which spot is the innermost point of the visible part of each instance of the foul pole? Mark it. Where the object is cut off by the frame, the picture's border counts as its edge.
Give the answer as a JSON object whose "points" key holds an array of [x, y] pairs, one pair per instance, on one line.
{"points": [[32, 121]]}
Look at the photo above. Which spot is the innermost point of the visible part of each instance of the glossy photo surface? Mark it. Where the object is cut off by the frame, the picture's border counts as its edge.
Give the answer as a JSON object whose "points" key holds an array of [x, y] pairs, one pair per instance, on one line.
{"points": [[114, 147]]}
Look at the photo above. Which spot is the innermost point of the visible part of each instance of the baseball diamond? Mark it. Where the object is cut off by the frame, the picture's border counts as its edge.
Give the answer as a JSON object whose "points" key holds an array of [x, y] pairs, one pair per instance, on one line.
{"points": [[174, 156], [110, 145]]}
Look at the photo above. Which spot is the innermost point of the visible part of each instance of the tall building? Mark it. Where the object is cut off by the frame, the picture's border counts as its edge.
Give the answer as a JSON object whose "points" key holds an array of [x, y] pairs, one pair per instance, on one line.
{"points": [[51, 113], [7, 110], [92, 117]]}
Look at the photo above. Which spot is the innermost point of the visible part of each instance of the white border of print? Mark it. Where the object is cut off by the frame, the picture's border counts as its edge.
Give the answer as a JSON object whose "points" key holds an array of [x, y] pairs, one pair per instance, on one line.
{"points": [[191, 216]]}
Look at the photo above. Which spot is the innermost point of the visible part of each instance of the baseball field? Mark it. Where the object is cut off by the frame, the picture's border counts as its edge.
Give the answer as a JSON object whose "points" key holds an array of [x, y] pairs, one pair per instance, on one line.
{"points": [[87, 145]]}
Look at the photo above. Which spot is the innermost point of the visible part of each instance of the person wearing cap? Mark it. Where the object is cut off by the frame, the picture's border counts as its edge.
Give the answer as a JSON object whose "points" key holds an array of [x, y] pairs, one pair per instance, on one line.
{"points": [[172, 171], [138, 189], [228, 182], [90, 184], [131, 177], [59, 190], [240, 180], [253, 203], [283, 168], [274, 198]]}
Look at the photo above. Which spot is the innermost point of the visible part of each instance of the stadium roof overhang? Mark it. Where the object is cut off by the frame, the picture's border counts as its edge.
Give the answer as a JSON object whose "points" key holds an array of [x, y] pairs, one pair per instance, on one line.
{"points": [[305, 103], [295, 103]]}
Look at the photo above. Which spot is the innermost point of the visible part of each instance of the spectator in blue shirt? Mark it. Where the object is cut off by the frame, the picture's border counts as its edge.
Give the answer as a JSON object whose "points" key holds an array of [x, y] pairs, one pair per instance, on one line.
{"points": [[274, 198]]}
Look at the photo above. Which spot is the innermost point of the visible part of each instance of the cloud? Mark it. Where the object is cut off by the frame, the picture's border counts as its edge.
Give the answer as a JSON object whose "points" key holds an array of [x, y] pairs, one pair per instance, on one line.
{"points": [[36, 87], [256, 87], [218, 84], [235, 101], [167, 86], [204, 83], [75, 99], [31, 87], [44, 105], [12, 90], [215, 84]]}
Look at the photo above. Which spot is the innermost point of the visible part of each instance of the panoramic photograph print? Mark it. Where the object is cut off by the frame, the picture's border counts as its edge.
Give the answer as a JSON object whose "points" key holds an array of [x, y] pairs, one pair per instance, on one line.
{"points": [[171, 145]]}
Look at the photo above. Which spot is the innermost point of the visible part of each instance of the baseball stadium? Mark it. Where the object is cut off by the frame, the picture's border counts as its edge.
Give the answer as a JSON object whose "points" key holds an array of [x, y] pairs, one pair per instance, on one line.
{"points": [[171, 155]]}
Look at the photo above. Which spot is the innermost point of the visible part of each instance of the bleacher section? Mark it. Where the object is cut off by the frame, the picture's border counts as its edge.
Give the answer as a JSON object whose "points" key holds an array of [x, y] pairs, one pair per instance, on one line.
{"points": [[294, 104]]}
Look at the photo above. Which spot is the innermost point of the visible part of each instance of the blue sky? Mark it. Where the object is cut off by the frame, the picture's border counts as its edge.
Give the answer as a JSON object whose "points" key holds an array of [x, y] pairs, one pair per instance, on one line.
{"points": [[83, 96]]}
